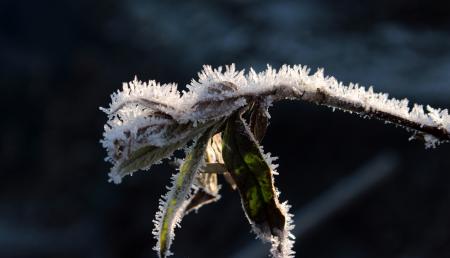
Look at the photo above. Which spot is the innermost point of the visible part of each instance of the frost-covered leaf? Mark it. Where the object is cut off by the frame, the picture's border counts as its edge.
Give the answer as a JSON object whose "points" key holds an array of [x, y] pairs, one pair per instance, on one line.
{"points": [[254, 179], [173, 205], [149, 152], [142, 158]]}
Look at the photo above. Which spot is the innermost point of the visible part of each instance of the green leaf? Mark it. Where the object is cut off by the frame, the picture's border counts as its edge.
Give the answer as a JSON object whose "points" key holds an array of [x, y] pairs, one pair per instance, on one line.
{"points": [[176, 200], [253, 176]]}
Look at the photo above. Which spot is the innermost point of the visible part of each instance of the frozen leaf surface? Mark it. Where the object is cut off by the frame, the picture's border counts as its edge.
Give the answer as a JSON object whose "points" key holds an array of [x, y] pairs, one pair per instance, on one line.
{"points": [[173, 205]]}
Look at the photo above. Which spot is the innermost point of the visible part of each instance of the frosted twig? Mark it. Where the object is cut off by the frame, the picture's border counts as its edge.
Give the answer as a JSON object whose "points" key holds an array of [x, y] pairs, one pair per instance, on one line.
{"points": [[421, 129], [148, 122]]}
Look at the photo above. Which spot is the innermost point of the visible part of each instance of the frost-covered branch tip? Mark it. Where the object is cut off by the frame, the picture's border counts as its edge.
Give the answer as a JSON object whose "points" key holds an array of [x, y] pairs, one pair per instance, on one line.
{"points": [[225, 113], [146, 113]]}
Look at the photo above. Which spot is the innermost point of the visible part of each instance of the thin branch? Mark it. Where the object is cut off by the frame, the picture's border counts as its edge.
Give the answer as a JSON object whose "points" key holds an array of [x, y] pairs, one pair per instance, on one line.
{"points": [[218, 168], [323, 98]]}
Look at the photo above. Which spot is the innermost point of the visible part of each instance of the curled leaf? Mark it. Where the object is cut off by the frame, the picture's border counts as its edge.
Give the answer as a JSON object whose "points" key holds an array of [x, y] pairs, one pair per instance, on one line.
{"points": [[199, 199], [253, 176], [207, 189], [216, 150]]}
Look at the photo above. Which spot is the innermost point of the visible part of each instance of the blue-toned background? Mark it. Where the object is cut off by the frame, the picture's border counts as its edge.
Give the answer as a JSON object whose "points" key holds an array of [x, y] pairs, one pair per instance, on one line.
{"points": [[60, 60]]}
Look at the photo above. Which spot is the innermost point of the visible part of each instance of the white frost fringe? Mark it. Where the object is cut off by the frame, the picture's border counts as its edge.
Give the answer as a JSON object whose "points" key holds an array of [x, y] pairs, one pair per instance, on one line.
{"points": [[283, 244], [175, 220], [282, 247]]}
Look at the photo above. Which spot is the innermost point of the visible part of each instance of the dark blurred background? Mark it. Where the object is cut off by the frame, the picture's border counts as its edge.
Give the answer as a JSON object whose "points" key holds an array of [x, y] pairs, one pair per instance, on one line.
{"points": [[60, 61]]}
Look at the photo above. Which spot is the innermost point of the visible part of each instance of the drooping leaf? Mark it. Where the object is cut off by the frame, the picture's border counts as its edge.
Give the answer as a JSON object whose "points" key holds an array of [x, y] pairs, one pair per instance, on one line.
{"points": [[253, 176], [173, 205]]}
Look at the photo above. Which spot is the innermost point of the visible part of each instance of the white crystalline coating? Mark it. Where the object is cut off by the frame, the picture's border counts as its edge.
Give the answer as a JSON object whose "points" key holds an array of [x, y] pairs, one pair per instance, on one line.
{"points": [[115, 178], [269, 160], [219, 92], [282, 243], [173, 204], [431, 141], [182, 202], [296, 78], [136, 91], [175, 219], [282, 246]]}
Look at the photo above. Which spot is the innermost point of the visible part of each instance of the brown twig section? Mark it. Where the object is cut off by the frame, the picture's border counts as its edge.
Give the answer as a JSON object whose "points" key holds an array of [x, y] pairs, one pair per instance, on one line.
{"points": [[217, 168], [322, 98]]}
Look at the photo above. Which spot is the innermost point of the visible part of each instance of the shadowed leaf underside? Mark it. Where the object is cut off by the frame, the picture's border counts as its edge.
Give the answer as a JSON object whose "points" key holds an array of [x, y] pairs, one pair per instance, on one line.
{"points": [[253, 176]]}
